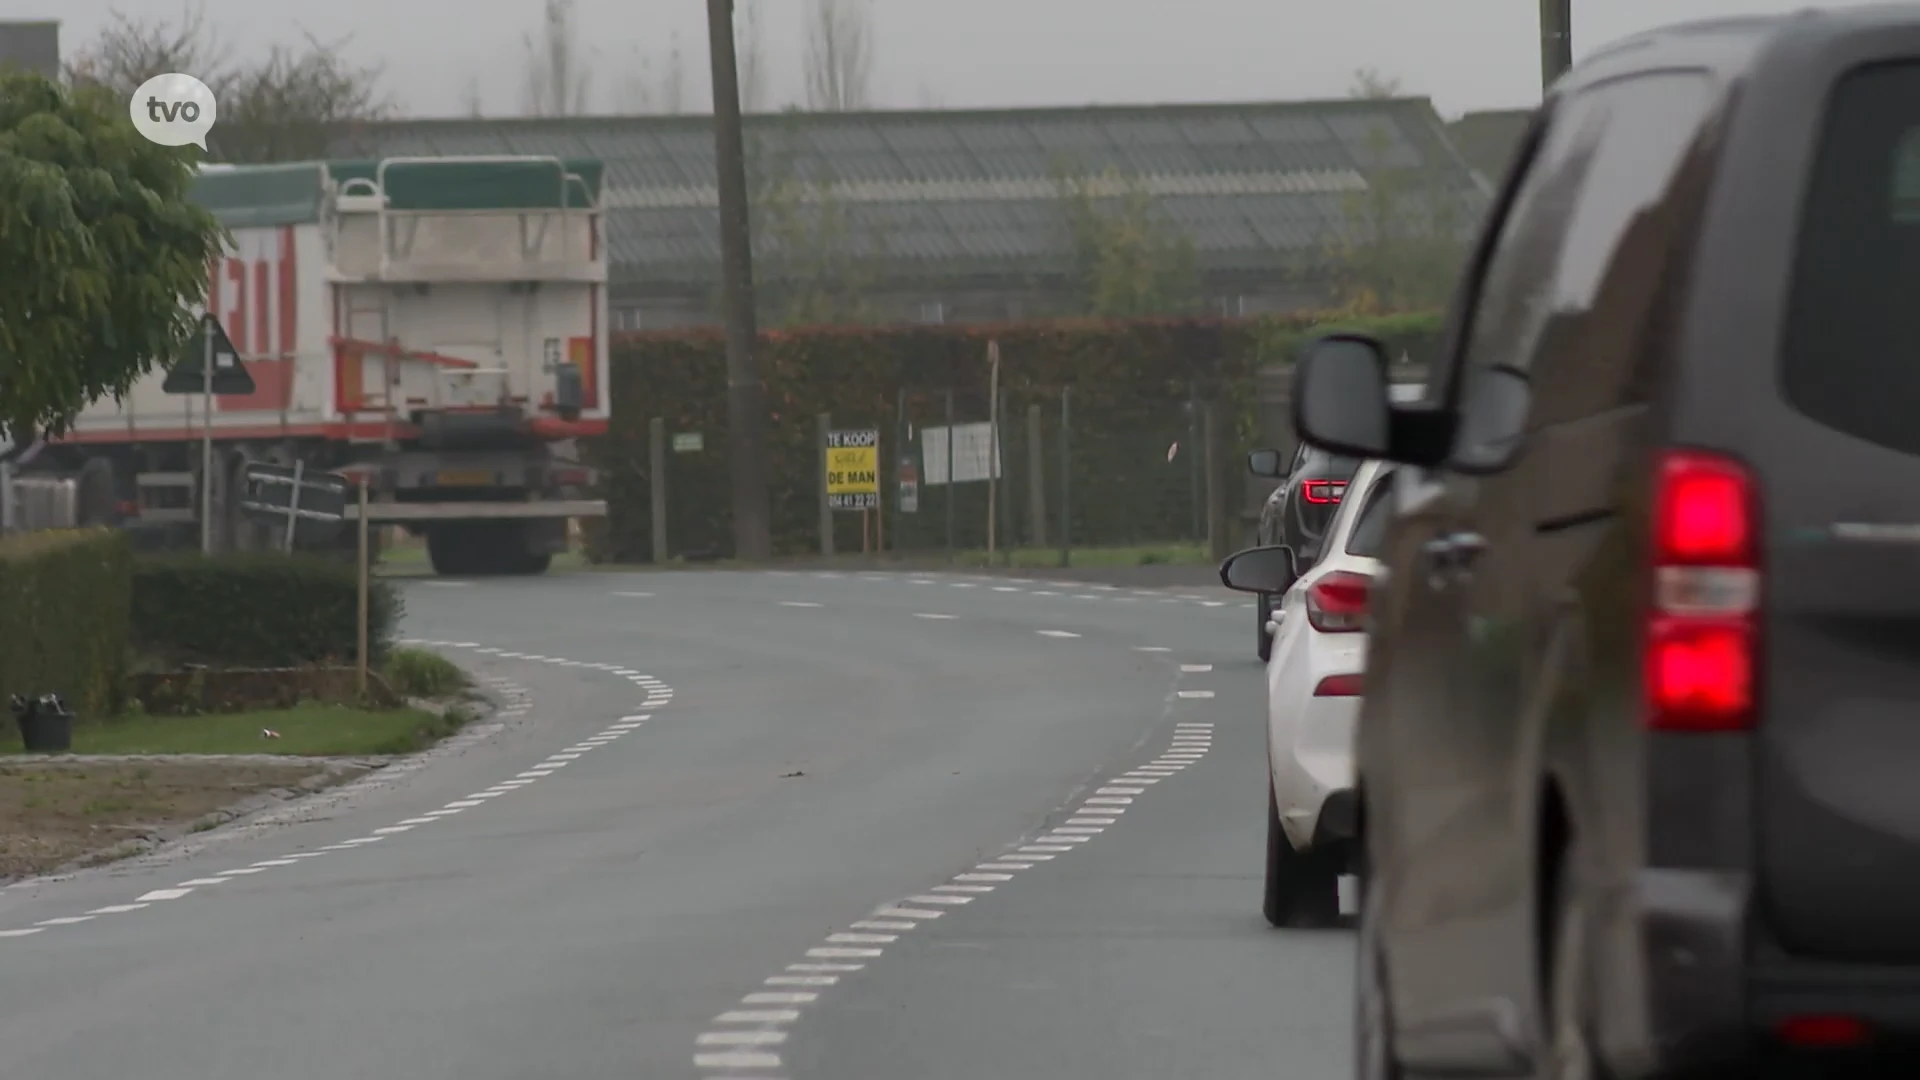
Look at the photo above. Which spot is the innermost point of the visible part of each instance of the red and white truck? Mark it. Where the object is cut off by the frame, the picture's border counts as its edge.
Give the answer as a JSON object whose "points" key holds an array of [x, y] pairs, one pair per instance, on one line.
{"points": [[434, 327]]}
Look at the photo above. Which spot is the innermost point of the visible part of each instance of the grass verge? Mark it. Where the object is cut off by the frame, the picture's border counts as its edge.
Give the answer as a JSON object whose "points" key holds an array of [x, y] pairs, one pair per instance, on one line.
{"points": [[55, 813], [302, 731]]}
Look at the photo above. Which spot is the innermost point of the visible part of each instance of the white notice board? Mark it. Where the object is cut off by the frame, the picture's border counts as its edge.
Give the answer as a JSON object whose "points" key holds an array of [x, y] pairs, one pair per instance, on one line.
{"points": [[972, 454]]}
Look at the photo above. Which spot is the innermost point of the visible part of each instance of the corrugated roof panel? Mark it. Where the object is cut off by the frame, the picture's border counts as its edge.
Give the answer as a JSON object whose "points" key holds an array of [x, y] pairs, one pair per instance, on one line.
{"points": [[975, 187], [1084, 138], [1374, 141], [1290, 128], [691, 153], [1209, 222], [910, 231]]}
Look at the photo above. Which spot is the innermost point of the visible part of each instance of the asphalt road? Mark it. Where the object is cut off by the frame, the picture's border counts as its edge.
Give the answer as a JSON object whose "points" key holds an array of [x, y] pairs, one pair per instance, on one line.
{"points": [[732, 825]]}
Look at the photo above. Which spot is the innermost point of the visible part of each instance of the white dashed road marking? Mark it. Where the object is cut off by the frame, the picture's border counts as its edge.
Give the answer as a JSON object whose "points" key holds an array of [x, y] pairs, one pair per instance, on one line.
{"points": [[515, 702], [1056, 633], [765, 1029]]}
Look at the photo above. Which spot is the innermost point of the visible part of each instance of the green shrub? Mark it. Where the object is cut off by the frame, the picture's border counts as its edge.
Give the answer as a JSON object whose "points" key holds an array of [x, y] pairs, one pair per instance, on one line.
{"points": [[257, 610], [422, 674], [64, 602]]}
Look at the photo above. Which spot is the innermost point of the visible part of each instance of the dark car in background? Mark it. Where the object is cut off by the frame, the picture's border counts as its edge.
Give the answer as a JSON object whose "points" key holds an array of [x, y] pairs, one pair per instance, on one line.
{"points": [[1298, 512]]}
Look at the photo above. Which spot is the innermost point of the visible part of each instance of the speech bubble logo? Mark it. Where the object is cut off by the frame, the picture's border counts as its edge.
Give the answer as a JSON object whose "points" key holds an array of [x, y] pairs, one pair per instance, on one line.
{"points": [[174, 110]]}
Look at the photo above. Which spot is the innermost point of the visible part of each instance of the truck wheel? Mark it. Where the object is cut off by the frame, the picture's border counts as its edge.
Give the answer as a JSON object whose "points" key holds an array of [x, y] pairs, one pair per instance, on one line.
{"points": [[451, 551]]}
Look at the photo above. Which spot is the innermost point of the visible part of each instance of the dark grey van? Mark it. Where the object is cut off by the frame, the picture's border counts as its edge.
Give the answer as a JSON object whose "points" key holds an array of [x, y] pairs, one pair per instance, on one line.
{"points": [[1639, 758]]}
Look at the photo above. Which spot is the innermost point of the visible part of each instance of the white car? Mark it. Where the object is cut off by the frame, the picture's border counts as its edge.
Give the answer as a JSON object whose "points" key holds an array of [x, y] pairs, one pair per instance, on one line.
{"points": [[1313, 699]]}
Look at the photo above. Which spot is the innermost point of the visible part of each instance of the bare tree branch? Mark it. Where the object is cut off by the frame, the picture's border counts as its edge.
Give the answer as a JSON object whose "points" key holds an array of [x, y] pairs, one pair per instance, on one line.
{"points": [[129, 52], [470, 100], [558, 77], [839, 57], [1369, 83], [296, 104], [635, 92], [673, 85], [750, 57]]}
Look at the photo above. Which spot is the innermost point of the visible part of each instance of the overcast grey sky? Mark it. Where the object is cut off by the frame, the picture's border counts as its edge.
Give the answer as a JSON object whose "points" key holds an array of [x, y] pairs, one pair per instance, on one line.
{"points": [[1465, 54]]}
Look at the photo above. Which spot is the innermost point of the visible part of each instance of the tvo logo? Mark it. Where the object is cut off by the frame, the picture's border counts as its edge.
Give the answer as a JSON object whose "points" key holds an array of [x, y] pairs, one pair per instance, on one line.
{"points": [[174, 110]]}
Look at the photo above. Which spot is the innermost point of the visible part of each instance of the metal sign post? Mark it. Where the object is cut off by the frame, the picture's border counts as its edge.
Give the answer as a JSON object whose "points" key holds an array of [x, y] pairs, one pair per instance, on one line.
{"points": [[212, 368], [206, 447], [363, 585]]}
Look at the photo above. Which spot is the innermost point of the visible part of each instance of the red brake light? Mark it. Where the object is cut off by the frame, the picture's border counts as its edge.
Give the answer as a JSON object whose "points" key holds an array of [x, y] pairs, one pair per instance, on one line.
{"points": [[1322, 492], [1822, 1031], [1337, 603], [1338, 686], [1702, 637]]}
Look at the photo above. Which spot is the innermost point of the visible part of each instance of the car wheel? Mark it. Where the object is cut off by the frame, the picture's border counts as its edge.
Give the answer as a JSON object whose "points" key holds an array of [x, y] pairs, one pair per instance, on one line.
{"points": [[1302, 887], [1568, 1051], [1262, 611], [1373, 1057]]}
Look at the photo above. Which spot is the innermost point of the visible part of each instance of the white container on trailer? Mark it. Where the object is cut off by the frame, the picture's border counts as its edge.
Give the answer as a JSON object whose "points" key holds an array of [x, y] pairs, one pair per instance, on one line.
{"points": [[437, 326]]}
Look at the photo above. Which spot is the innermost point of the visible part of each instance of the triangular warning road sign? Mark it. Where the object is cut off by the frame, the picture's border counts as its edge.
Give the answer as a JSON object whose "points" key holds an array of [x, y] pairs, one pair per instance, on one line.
{"points": [[229, 374]]}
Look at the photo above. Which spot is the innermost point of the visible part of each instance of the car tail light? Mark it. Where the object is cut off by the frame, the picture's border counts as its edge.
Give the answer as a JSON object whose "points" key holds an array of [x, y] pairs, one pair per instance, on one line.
{"points": [[1702, 636], [1338, 686], [1337, 603], [1322, 492], [1822, 1030]]}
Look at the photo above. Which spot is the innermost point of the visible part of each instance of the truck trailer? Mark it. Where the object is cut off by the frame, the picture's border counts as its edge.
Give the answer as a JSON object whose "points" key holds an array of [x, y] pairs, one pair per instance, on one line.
{"points": [[432, 328]]}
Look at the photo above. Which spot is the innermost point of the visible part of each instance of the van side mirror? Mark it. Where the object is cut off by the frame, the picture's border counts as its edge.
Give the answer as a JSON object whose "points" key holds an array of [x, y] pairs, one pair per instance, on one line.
{"points": [[1265, 463], [1343, 404], [1259, 570]]}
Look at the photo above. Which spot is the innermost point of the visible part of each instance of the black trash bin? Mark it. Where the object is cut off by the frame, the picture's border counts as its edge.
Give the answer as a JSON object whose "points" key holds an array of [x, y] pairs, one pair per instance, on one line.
{"points": [[46, 724]]}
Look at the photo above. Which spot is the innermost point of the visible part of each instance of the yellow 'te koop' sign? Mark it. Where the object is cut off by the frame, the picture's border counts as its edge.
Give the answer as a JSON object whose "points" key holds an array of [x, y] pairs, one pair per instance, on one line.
{"points": [[853, 469]]}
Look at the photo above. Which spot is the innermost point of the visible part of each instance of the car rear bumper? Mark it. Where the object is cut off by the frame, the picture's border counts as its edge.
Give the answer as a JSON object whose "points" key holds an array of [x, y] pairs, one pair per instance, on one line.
{"points": [[1711, 997]]}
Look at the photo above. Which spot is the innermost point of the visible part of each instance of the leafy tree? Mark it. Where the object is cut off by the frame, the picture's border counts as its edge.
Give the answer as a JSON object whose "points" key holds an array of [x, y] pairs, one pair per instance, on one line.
{"points": [[102, 254], [1127, 259]]}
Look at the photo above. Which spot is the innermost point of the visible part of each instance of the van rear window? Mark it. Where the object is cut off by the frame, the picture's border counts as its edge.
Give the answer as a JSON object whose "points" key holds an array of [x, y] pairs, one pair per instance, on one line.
{"points": [[1852, 342]]}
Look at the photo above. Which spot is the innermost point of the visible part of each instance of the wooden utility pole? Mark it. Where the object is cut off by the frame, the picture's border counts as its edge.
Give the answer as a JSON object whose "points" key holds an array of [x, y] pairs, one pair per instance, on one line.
{"points": [[1556, 40], [746, 418]]}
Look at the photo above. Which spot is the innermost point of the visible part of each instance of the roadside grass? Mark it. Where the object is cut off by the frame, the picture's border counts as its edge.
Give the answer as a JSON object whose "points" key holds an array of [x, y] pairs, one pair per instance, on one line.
{"points": [[54, 812], [303, 731]]}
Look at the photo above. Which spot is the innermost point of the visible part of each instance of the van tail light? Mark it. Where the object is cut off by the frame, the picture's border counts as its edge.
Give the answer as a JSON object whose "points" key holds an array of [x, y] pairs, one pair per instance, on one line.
{"points": [[1338, 686], [1703, 634], [1337, 603], [1322, 492], [1822, 1031]]}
